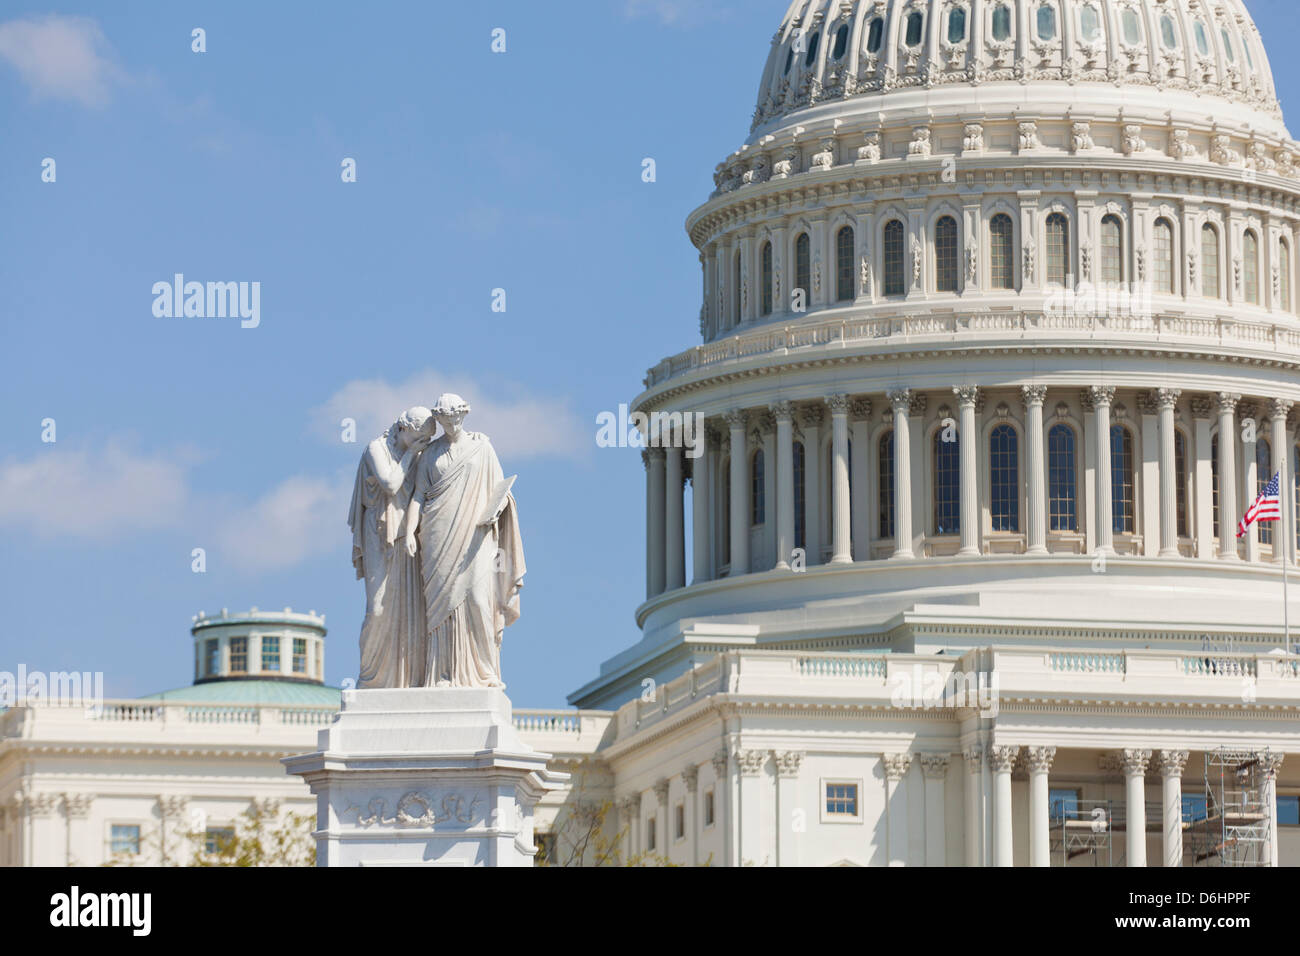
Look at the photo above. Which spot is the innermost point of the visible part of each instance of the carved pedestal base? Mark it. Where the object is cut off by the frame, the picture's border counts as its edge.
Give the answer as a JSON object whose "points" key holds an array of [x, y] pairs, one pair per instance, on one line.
{"points": [[424, 777]]}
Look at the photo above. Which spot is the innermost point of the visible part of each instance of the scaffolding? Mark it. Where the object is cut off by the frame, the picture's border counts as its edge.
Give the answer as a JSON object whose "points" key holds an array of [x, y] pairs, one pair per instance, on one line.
{"points": [[1233, 828], [1081, 828]]}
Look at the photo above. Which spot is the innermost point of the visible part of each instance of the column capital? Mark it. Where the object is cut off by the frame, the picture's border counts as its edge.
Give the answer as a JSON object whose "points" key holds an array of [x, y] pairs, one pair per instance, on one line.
{"points": [[968, 396], [631, 805], [737, 418], [1171, 763], [1202, 407], [974, 757], [918, 404], [900, 399], [1166, 398], [77, 805], [860, 409], [751, 762], [1134, 761], [1002, 757], [1227, 402], [661, 791], [691, 777], [1097, 396], [719, 761], [1039, 759], [787, 762], [1279, 408], [1033, 395], [782, 411], [1271, 762], [838, 404], [896, 765], [934, 766]]}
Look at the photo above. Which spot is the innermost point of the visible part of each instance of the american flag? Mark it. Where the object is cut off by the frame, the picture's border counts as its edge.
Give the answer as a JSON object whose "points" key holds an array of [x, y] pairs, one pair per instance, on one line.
{"points": [[1267, 507]]}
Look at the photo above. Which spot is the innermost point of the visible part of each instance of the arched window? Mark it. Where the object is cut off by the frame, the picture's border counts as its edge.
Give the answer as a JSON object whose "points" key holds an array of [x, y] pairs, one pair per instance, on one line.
{"points": [[800, 495], [1058, 248], [875, 33], [1164, 258], [1250, 266], [1284, 275], [735, 294], [947, 483], [1004, 478], [1002, 252], [885, 476], [803, 265], [844, 264], [915, 28], [1180, 479], [1046, 22], [757, 486], [957, 25], [1089, 22], [894, 258], [811, 56], [945, 255], [1112, 250], [1062, 493], [1001, 22], [1122, 503], [766, 257], [1209, 261], [841, 42], [1263, 475], [1214, 482]]}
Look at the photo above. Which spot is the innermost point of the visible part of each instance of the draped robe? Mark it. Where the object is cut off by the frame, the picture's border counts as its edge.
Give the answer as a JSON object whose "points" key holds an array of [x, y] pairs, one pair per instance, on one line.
{"points": [[392, 635], [471, 573]]}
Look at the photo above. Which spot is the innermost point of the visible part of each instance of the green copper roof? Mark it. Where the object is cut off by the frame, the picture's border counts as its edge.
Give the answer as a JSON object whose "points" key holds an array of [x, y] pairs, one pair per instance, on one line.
{"points": [[273, 692]]}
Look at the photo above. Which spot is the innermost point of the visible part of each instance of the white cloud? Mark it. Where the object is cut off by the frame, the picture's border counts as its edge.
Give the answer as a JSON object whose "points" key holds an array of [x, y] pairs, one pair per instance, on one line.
{"points": [[94, 492], [520, 425], [60, 57], [299, 518]]}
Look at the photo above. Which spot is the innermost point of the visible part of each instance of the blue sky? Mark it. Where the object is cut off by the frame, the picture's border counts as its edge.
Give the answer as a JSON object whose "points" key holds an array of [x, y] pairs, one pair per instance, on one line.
{"points": [[475, 171]]}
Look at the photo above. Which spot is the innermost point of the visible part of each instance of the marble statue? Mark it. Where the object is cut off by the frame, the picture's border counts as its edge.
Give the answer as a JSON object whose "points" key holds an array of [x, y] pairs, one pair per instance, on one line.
{"points": [[462, 528], [392, 644]]}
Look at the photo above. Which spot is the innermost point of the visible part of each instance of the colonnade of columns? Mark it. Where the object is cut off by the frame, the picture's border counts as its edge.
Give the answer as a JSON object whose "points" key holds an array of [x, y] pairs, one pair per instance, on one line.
{"points": [[851, 522]]}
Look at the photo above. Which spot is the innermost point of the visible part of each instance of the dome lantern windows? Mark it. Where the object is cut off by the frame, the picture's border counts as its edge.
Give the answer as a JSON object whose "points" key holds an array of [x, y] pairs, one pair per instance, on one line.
{"points": [[811, 56], [1046, 19], [841, 42], [1168, 36], [1132, 29], [915, 28], [957, 25], [1202, 38], [1001, 23], [1227, 46], [875, 34], [1089, 23]]}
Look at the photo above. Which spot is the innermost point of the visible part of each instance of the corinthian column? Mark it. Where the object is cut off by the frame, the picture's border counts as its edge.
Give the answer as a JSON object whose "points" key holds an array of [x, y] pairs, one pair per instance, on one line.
{"points": [[1102, 396], [968, 442], [1034, 396], [1228, 475], [1284, 535], [1167, 399], [1039, 760], [1134, 763], [701, 508], [901, 401], [841, 519], [1001, 758], [1272, 763], [674, 520], [1170, 765], [655, 521], [736, 422], [783, 412]]}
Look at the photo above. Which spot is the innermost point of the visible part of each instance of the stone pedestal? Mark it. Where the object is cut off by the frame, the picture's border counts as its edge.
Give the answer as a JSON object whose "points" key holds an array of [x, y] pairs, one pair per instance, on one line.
{"points": [[424, 777]]}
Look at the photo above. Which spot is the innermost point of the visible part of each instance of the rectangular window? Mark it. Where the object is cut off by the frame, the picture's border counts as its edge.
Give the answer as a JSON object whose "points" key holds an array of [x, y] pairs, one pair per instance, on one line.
{"points": [[886, 503], [271, 654], [842, 799], [125, 839], [238, 655], [213, 648], [300, 655], [1288, 809], [218, 839], [708, 808], [650, 835], [1061, 488], [1122, 503], [679, 822], [1000, 255], [893, 252], [1180, 477]]}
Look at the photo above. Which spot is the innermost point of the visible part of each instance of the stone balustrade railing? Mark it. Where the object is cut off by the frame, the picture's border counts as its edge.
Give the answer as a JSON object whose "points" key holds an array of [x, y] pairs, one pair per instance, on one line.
{"points": [[844, 333]]}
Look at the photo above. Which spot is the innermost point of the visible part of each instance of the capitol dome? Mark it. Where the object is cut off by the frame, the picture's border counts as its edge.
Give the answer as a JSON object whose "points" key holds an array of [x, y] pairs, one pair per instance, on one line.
{"points": [[999, 341]]}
